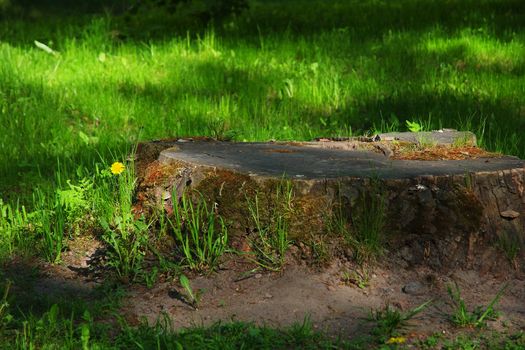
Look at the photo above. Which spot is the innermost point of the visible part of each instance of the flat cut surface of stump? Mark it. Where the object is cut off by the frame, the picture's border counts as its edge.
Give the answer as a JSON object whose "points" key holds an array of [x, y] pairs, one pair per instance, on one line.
{"points": [[314, 160]]}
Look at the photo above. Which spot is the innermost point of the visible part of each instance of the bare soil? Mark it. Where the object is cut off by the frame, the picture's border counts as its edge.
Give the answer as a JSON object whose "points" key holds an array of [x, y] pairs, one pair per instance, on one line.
{"points": [[279, 299]]}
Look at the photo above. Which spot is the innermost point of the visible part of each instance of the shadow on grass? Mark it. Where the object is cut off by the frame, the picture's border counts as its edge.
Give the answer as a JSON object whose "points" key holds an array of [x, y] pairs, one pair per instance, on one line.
{"points": [[364, 19], [406, 93], [452, 84]]}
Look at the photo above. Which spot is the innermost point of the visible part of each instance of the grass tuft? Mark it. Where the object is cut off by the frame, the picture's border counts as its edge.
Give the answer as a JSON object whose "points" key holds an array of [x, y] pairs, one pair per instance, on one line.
{"points": [[462, 317]]}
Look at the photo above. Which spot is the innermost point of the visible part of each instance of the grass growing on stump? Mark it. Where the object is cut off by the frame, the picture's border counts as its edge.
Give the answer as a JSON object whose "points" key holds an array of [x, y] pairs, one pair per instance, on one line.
{"points": [[201, 233], [271, 224], [361, 223]]}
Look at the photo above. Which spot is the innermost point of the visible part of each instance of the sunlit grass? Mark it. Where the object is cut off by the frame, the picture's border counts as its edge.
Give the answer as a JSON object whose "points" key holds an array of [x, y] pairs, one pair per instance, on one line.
{"points": [[96, 93], [101, 88]]}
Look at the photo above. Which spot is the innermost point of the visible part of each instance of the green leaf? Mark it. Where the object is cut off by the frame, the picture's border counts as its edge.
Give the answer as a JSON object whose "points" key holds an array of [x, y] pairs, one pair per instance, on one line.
{"points": [[414, 126], [185, 282]]}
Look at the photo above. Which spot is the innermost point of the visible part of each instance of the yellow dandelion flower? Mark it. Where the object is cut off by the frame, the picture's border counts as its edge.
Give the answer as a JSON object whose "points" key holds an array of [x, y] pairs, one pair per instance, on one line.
{"points": [[117, 168], [396, 340]]}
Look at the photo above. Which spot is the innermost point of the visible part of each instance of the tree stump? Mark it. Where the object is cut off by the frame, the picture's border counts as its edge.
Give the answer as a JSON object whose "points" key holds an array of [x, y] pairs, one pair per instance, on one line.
{"points": [[446, 202]]}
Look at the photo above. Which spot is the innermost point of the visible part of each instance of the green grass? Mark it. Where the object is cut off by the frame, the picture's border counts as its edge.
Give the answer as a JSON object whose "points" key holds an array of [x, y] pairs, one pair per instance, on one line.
{"points": [[389, 321], [200, 232], [462, 317], [277, 82], [474, 341], [365, 236], [269, 237], [126, 234], [283, 70]]}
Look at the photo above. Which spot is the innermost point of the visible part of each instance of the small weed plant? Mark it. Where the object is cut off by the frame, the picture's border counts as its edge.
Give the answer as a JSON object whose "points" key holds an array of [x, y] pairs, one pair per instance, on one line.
{"points": [[359, 277], [76, 202], [463, 141], [462, 343], [414, 126], [462, 317], [431, 342], [509, 244], [339, 221], [424, 142], [388, 321], [126, 235], [150, 276], [200, 232], [14, 227], [320, 251], [50, 219], [362, 225], [271, 241], [419, 125], [192, 296]]}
